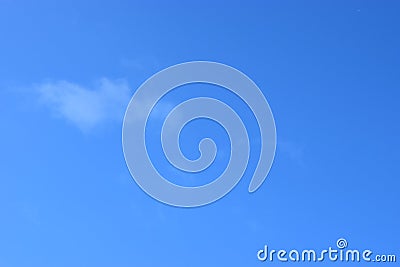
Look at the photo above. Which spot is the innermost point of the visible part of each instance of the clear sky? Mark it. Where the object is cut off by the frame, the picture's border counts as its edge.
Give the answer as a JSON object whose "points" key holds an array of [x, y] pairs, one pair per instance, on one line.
{"points": [[329, 69]]}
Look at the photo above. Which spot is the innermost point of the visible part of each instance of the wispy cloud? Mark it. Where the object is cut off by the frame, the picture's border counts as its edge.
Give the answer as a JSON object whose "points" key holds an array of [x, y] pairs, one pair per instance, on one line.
{"points": [[292, 150], [86, 107]]}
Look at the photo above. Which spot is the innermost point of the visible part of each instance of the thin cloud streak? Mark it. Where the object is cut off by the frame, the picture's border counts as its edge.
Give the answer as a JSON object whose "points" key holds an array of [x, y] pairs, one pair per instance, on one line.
{"points": [[86, 107]]}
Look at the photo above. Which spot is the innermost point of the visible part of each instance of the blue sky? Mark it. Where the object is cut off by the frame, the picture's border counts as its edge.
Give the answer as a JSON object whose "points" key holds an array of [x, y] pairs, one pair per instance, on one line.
{"points": [[330, 72]]}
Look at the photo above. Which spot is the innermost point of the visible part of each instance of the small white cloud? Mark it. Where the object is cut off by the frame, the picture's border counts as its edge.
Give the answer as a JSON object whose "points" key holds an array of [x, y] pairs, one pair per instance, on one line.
{"points": [[86, 107]]}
